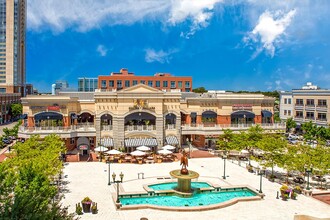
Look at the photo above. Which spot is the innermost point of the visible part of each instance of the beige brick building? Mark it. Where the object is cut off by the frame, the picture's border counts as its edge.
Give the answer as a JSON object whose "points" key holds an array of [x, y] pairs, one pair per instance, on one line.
{"points": [[142, 115]]}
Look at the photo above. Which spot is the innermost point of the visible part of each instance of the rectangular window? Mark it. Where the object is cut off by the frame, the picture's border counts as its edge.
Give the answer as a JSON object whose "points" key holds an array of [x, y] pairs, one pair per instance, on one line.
{"points": [[127, 83], [165, 84], [322, 102], [143, 82], [119, 84], [103, 84], [172, 84], [299, 102], [289, 101], [309, 115], [150, 83], [2, 90], [157, 84], [111, 83], [91, 141], [285, 112], [187, 90], [310, 102], [71, 140], [285, 101], [179, 84], [187, 84], [322, 116], [299, 114], [289, 112], [135, 82]]}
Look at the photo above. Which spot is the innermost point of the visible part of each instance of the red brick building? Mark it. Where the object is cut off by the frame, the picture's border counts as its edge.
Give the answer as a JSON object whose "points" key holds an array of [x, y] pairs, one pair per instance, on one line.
{"points": [[162, 81]]}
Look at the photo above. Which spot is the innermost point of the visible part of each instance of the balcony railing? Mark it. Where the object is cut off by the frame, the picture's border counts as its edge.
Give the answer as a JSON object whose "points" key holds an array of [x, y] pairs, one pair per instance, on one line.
{"points": [[56, 129], [106, 127], [170, 126], [309, 118], [140, 127], [322, 106], [231, 126], [321, 119]]}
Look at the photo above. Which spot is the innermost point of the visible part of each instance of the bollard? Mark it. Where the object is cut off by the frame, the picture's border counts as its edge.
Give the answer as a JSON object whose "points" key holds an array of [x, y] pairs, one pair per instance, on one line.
{"points": [[277, 195]]}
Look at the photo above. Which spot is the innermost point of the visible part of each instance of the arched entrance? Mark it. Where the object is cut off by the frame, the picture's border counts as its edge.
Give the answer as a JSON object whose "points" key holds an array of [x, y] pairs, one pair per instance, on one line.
{"points": [[85, 118], [83, 145], [140, 118], [106, 122], [266, 117], [48, 119], [170, 121], [209, 118], [242, 117]]}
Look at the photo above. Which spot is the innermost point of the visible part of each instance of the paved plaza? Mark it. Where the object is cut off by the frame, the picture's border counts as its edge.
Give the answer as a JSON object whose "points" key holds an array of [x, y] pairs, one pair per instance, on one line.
{"points": [[91, 179]]}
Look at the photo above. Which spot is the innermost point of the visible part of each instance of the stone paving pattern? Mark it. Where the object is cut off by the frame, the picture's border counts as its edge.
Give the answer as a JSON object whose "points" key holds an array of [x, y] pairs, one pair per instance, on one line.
{"points": [[91, 178]]}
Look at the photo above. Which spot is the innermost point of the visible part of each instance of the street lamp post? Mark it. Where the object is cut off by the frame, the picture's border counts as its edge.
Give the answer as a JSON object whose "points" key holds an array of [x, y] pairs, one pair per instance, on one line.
{"points": [[224, 157], [48, 121], [308, 170], [109, 179], [121, 175], [189, 145], [261, 172]]}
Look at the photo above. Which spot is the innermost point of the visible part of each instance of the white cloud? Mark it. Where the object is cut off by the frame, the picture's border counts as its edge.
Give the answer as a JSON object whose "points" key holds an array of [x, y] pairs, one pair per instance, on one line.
{"points": [[92, 14], [199, 12], [268, 32], [159, 56], [102, 50]]}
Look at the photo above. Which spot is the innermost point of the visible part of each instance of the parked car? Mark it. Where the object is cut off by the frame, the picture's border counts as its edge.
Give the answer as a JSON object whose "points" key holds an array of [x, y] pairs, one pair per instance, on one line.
{"points": [[6, 141]]}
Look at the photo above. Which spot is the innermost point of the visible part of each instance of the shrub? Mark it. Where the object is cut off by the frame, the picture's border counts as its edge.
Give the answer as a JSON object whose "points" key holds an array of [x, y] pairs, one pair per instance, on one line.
{"points": [[86, 200]]}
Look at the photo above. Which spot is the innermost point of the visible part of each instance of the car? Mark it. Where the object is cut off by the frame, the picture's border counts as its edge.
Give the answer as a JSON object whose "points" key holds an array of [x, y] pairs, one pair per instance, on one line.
{"points": [[291, 141], [6, 141]]}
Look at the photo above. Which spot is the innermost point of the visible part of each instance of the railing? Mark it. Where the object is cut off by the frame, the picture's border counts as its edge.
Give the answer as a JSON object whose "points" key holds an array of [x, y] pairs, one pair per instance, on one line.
{"points": [[322, 106], [140, 127], [170, 126], [310, 118], [321, 119], [106, 127], [232, 126], [55, 129]]}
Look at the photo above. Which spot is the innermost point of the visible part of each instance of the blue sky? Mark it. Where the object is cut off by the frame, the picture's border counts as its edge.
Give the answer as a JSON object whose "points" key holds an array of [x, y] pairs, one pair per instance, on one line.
{"points": [[222, 44]]}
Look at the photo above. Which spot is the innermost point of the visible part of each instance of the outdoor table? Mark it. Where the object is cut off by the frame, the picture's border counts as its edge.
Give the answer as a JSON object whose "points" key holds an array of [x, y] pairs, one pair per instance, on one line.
{"points": [[150, 158]]}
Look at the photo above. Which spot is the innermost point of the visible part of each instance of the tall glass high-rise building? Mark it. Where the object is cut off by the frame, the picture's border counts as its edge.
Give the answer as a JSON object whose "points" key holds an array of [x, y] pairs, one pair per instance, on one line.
{"points": [[12, 46]]}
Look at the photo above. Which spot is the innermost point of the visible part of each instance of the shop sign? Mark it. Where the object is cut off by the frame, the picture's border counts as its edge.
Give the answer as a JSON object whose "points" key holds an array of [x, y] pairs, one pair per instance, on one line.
{"points": [[83, 147], [237, 107], [53, 108]]}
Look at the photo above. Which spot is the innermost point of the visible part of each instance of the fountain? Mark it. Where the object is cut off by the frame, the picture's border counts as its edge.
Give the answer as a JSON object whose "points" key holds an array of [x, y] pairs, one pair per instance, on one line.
{"points": [[184, 175]]}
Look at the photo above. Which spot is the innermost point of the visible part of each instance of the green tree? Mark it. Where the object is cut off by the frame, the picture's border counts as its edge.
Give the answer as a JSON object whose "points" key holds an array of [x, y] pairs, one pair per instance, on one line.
{"points": [[199, 90], [225, 140], [254, 135], [16, 109], [273, 147], [290, 124], [26, 189]]}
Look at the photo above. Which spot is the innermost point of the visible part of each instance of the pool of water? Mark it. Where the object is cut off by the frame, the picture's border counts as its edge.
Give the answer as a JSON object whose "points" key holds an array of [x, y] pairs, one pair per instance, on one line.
{"points": [[172, 185], [198, 199]]}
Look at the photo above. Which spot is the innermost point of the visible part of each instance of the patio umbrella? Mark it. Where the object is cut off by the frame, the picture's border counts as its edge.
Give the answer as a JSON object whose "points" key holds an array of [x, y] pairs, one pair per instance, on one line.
{"points": [[100, 149], [113, 152], [169, 147], [165, 151], [143, 148], [138, 153]]}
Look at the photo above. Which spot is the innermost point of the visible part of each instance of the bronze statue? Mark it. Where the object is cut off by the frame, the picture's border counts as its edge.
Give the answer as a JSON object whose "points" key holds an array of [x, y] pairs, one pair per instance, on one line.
{"points": [[184, 163]]}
